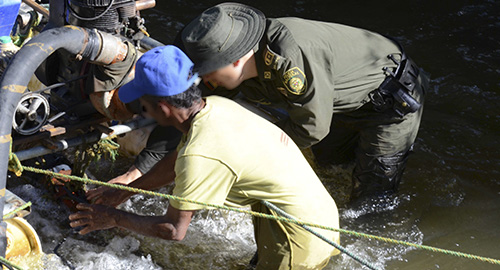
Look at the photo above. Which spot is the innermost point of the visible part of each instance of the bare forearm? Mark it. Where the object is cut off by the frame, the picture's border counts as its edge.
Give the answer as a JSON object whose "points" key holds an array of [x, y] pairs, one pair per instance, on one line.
{"points": [[162, 174], [172, 226], [148, 225], [132, 174]]}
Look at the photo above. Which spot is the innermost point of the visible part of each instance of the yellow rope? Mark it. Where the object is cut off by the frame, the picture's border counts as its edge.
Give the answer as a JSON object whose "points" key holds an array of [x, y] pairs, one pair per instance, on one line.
{"points": [[15, 165], [106, 145], [267, 216], [26, 205]]}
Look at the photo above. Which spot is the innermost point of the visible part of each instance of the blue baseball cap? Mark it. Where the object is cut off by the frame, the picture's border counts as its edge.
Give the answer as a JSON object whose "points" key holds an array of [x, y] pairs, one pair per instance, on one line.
{"points": [[162, 71]]}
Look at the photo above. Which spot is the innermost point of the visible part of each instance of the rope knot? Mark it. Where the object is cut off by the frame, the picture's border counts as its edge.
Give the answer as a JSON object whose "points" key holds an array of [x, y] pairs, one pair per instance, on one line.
{"points": [[14, 163]]}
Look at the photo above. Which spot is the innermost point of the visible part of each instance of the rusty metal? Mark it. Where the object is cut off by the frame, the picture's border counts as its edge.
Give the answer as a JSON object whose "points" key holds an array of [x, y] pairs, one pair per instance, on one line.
{"points": [[13, 202], [109, 104], [112, 49]]}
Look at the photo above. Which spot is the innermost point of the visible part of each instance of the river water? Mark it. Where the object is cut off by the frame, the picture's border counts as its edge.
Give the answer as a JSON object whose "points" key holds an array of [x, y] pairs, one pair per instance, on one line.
{"points": [[450, 194]]}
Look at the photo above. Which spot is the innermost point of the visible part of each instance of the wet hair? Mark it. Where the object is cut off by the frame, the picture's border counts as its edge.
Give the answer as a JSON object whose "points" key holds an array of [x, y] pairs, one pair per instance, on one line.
{"points": [[182, 100]]}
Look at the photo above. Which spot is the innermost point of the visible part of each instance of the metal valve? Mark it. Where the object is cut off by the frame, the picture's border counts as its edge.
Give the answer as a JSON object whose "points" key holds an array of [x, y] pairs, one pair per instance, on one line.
{"points": [[31, 114]]}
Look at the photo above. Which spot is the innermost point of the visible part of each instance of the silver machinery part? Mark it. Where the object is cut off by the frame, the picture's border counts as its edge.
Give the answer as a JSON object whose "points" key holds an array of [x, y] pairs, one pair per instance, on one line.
{"points": [[31, 113]]}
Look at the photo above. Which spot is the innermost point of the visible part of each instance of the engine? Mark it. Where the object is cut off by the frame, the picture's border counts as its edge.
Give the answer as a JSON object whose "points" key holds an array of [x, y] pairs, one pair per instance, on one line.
{"points": [[72, 89]]}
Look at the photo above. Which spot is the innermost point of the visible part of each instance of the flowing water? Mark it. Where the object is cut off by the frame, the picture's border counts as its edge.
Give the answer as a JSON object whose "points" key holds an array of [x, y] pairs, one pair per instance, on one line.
{"points": [[450, 194]]}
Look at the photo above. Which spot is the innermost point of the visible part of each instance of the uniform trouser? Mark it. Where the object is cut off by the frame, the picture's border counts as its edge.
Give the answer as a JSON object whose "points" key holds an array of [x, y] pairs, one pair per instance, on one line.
{"points": [[378, 142]]}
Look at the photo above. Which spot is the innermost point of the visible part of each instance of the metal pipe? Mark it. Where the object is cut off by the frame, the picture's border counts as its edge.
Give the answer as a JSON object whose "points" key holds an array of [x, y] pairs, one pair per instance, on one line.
{"points": [[87, 138], [144, 4]]}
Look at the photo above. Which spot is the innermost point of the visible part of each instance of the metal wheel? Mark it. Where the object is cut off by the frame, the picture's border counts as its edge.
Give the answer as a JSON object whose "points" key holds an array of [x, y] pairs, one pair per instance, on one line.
{"points": [[31, 114]]}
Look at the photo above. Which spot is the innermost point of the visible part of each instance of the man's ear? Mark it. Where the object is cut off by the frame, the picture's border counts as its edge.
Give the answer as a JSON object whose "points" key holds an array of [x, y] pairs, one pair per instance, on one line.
{"points": [[165, 108]]}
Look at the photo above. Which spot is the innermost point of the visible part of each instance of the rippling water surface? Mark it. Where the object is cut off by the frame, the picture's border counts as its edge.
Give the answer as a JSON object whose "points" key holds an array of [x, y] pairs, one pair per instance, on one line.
{"points": [[450, 195]]}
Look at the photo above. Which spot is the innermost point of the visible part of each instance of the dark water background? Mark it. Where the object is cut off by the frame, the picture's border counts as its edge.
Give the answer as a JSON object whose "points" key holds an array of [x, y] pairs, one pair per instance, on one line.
{"points": [[450, 194]]}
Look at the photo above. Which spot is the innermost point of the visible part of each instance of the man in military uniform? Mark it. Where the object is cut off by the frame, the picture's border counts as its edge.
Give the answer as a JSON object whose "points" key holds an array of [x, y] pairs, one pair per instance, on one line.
{"points": [[349, 93]]}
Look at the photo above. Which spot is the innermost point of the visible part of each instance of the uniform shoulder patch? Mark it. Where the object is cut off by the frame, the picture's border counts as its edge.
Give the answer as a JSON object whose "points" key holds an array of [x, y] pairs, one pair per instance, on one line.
{"points": [[295, 81], [271, 59]]}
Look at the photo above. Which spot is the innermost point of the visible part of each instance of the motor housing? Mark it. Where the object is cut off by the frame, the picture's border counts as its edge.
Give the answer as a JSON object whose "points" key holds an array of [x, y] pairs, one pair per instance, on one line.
{"points": [[111, 16]]}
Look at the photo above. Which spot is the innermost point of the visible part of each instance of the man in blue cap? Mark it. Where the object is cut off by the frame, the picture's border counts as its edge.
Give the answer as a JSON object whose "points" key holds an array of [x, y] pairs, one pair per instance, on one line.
{"points": [[227, 156]]}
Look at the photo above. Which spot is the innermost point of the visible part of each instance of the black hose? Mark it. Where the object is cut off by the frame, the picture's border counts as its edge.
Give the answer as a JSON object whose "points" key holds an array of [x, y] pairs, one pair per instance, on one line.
{"points": [[149, 43], [56, 14]]}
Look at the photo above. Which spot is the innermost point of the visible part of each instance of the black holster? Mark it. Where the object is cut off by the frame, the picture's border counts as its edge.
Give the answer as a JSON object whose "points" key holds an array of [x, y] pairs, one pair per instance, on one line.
{"points": [[395, 90]]}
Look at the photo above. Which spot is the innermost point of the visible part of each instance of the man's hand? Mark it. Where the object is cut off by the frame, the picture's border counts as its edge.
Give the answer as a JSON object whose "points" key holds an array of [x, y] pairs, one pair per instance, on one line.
{"points": [[172, 226], [108, 196], [93, 218], [111, 196]]}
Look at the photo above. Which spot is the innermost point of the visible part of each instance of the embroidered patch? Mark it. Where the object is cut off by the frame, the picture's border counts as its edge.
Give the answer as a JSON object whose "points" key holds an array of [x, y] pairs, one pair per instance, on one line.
{"points": [[268, 58], [267, 75], [295, 81]]}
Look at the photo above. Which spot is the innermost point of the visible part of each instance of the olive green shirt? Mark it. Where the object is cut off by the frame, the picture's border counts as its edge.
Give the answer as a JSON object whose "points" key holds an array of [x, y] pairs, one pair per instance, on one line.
{"points": [[313, 69]]}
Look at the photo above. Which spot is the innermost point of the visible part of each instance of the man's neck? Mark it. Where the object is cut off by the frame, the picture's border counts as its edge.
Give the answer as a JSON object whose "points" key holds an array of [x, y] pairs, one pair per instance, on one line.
{"points": [[250, 67], [186, 116]]}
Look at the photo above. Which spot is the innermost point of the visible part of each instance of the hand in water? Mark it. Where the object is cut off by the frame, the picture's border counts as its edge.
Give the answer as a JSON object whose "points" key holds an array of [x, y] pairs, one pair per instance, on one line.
{"points": [[93, 218], [112, 196], [108, 196]]}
